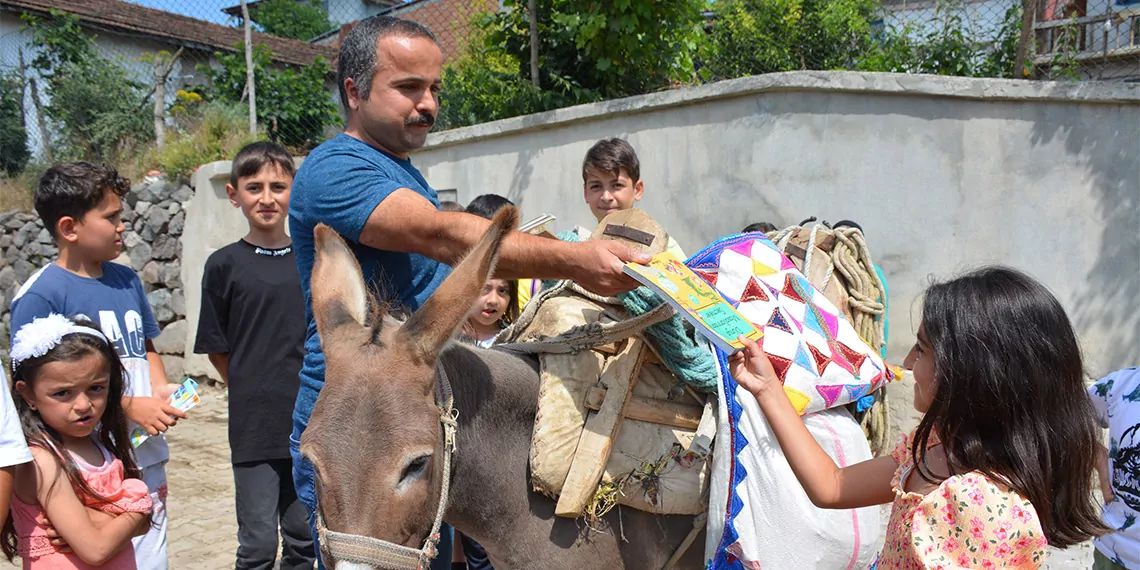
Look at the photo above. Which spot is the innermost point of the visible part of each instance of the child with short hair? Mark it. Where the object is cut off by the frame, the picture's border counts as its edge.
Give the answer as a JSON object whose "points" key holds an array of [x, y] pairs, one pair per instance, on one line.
{"points": [[1000, 466], [80, 204], [252, 327], [1116, 398], [83, 481], [611, 181]]}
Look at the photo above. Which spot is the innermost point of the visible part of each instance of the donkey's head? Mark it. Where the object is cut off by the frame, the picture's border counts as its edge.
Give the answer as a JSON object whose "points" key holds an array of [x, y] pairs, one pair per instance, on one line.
{"points": [[374, 437]]}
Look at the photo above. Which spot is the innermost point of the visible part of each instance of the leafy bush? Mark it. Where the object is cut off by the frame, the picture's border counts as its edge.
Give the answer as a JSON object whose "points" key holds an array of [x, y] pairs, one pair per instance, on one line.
{"points": [[205, 132], [291, 19], [293, 104], [947, 45], [101, 112], [485, 85], [614, 49], [14, 153], [750, 37]]}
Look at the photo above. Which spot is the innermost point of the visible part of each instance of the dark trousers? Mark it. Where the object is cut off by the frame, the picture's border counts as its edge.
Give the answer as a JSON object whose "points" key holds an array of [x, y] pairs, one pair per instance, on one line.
{"points": [[266, 499], [476, 555]]}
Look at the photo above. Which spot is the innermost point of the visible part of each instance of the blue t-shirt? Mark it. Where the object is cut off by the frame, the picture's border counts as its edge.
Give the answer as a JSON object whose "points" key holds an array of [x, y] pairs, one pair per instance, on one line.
{"points": [[117, 304], [340, 183]]}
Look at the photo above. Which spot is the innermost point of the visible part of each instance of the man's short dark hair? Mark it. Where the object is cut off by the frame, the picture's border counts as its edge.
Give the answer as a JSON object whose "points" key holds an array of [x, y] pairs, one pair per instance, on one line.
{"points": [[611, 156], [253, 157], [763, 227], [357, 57], [72, 189], [486, 205]]}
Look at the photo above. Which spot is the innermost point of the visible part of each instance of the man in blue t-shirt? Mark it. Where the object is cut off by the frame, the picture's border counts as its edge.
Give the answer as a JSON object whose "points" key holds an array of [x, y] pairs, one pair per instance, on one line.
{"points": [[363, 185]]}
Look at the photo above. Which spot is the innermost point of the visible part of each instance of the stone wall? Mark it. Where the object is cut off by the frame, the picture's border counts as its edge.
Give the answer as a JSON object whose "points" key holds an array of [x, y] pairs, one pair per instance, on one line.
{"points": [[154, 215]]}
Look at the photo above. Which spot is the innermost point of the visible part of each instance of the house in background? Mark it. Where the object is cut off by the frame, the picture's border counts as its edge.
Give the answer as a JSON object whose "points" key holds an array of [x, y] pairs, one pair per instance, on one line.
{"points": [[340, 11], [1101, 36], [124, 32], [449, 20]]}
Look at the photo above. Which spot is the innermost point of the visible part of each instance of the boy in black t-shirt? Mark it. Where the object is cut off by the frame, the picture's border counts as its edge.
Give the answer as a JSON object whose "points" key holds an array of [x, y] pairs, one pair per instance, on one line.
{"points": [[252, 326]]}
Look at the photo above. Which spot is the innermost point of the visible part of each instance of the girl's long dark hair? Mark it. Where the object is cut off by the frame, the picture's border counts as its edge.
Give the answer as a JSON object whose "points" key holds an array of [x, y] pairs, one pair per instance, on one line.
{"points": [[1009, 397], [111, 431]]}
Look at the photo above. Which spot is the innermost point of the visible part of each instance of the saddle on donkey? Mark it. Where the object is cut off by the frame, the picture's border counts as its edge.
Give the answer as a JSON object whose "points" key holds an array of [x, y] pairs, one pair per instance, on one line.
{"points": [[632, 404]]}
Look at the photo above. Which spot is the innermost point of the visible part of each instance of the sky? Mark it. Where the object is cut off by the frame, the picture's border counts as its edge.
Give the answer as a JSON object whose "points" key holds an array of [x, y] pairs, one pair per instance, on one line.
{"points": [[210, 10]]}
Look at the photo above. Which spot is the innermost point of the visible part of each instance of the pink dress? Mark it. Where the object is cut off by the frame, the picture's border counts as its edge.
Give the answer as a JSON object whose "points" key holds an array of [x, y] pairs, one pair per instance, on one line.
{"points": [[126, 495], [970, 521]]}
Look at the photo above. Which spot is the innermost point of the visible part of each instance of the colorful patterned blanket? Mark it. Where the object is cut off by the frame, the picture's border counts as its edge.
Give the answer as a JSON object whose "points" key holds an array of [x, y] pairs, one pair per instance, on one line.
{"points": [[759, 515]]}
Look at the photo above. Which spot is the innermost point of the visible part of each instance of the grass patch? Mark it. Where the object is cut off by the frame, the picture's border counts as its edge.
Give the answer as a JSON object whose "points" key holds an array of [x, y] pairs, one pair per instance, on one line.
{"points": [[16, 191]]}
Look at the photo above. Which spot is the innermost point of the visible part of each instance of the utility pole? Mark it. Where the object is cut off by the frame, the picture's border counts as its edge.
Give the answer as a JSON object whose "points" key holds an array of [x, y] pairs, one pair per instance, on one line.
{"points": [[249, 83], [162, 69]]}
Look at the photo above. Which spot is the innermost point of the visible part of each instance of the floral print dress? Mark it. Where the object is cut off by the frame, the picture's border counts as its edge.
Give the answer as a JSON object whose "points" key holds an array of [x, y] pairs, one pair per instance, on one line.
{"points": [[970, 521]]}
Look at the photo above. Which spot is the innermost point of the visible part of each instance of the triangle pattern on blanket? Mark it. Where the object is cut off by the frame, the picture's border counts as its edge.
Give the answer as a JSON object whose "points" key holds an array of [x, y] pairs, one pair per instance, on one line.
{"points": [[800, 401], [821, 359], [856, 391], [777, 321], [789, 289], [781, 366], [838, 357], [853, 356], [830, 393], [803, 359], [762, 269], [753, 292]]}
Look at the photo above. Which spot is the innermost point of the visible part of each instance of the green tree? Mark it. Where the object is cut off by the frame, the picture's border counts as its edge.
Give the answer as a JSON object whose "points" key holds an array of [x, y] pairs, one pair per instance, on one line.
{"points": [[293, 104], [613, 48], [291, 19], [946, 44], [750, 37], [14, 153], [100, 109]]}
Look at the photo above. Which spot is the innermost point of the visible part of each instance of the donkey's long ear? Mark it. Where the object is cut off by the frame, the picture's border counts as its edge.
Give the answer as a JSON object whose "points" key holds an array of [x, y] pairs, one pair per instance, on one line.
{"points": [[437, 321], [339, 295]]}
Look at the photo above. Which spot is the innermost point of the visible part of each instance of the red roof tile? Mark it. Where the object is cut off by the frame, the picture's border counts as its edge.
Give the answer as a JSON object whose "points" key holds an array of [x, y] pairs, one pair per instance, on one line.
{"points": [[131, 19]]}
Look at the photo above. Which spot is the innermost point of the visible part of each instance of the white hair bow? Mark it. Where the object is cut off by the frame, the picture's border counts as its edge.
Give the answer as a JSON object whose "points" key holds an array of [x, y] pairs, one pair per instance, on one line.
{"points": [[36, 338]]}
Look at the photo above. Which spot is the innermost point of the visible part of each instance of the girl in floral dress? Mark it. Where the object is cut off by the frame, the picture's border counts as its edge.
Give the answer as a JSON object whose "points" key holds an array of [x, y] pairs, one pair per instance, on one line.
{"points": [[1000, 465]]}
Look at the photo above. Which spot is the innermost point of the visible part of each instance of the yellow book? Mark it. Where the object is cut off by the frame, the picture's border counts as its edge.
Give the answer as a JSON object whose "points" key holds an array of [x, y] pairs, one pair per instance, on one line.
{"points": [[700, 303]]}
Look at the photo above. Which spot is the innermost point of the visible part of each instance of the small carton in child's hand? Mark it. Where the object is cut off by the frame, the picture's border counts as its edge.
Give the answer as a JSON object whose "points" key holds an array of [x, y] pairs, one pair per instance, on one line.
{"points": [[184, 398]]}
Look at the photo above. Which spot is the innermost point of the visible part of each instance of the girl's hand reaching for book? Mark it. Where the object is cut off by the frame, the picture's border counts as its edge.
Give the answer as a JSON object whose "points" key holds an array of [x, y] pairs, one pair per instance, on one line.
{"points": [[752, 369]]}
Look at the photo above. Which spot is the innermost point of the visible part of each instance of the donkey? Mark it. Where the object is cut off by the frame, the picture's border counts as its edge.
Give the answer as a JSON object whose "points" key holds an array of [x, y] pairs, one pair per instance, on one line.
{"points": [[376, 443]]}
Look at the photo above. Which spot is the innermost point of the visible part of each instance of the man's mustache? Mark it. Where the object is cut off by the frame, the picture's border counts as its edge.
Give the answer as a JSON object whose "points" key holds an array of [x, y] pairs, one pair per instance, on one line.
{"points": [[424, 120]]}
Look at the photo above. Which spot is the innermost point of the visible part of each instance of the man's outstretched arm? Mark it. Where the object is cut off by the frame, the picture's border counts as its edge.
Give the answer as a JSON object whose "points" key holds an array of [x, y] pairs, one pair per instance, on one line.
{"points": [[405, 221]]}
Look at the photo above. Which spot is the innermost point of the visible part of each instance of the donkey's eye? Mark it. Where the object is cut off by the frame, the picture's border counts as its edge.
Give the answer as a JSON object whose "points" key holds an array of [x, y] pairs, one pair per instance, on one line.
{"points": [[415, 468]]}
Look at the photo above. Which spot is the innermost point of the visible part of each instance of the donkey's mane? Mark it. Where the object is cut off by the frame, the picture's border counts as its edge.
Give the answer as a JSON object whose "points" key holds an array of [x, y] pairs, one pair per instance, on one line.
{"points": [[383, 307]]}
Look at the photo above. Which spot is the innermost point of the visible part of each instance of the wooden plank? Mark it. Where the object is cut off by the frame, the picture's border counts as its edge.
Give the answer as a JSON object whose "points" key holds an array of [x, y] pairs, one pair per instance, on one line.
{"points": [[601, 429], [653, 411]]}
